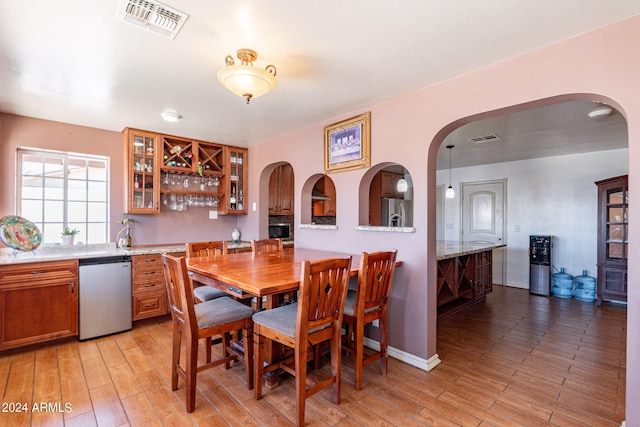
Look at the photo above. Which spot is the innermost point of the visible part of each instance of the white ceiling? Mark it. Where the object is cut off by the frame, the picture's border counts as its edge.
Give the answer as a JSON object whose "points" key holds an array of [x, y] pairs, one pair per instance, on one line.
{"points": [[73, 61]]}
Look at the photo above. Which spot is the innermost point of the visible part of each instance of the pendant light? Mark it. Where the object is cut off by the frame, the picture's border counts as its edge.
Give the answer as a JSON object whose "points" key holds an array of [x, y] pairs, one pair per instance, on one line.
{"points": [[450, 194]]}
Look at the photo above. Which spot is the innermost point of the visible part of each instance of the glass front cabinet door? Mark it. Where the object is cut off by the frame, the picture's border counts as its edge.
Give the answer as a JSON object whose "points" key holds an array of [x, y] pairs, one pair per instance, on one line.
{"points": [[143, 187], [236, 172], [613, 230]]}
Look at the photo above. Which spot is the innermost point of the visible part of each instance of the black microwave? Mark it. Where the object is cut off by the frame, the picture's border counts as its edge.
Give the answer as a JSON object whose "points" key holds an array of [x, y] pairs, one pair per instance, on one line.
{"points": [[280, 231]]}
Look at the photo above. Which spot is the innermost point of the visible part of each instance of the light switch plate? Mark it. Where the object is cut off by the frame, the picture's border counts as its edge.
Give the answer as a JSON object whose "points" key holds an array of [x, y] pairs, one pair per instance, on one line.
{"points": [[213, 214]]}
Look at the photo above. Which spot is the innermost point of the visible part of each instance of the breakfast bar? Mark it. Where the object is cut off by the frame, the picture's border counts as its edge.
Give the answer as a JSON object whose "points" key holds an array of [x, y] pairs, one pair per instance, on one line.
{"points": [[464, 274]]}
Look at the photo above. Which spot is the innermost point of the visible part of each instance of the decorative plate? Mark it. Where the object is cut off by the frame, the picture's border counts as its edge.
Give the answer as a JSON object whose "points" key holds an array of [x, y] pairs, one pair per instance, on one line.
{"points": [[19, 233]]}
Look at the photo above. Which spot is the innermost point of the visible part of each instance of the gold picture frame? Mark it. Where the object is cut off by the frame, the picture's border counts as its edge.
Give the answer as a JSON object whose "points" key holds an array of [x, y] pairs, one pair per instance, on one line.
{"points": [[347, 144]]}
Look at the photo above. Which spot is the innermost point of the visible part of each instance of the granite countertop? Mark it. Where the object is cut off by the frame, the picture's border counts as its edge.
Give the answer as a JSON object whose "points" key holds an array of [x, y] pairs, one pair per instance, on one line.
{"points": [[450, 249], [62, 253]]}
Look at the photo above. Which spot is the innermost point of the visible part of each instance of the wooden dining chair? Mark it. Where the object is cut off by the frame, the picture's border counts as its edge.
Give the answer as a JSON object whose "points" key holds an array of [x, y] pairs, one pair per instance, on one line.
{"points": [[369, 302], [194, 322], [315, 318], [206, 249], [266, 246]]}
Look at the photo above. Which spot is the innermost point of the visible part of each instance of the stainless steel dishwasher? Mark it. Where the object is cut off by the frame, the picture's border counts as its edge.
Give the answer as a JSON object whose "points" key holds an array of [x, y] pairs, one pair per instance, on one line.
{"points": [[105, 295]]}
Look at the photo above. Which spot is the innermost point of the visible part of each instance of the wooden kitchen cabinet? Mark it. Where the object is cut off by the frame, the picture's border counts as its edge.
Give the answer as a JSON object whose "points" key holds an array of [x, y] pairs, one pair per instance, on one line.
{"points": [[325, 207], [281, 191], [143, 183], [613, 229], [149, 292], [237, 171], [165, 170], [463, 280], [38, 302]]}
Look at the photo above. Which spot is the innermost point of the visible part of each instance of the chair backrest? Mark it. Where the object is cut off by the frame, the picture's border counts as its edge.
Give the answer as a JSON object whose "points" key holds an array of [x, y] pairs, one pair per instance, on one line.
{"points": [[266, 246], [202, 249], [322, 294], [179, 290], [375, 278]]}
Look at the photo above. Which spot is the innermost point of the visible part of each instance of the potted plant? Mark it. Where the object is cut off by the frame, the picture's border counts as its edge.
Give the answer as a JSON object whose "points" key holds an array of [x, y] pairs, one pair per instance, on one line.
{"points": [[123, 238], [68, 235]]}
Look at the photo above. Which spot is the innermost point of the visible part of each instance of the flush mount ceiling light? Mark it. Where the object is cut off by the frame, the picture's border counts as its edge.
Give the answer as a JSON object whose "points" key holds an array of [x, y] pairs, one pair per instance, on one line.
{"points": [[246, 80], [601, 111], [450, 194], [170, 116]]}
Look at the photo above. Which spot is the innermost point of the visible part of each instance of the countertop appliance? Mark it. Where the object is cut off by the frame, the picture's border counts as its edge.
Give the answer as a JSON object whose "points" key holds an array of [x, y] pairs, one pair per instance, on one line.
{"points": [[540, 251], [105, 295], [396, 212]]}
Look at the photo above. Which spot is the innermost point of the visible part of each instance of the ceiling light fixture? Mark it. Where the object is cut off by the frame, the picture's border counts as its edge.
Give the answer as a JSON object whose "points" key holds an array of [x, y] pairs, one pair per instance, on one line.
{"points": [[246, 80], [402, 185], [170, 116], [450, 194], [602, 111]]}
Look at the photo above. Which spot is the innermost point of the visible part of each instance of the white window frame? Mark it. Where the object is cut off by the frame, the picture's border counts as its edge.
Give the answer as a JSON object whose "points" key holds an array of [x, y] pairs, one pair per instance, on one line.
{"points": [[43, 224]]}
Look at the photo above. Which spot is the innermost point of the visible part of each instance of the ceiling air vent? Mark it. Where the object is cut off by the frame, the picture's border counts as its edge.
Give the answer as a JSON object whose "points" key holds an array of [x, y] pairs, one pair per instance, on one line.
{"points": [[152, 15], [486, 138]]}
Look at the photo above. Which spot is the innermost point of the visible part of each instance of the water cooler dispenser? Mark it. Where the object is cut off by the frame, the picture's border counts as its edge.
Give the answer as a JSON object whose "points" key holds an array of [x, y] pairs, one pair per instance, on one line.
{"points": [[540, 248]]}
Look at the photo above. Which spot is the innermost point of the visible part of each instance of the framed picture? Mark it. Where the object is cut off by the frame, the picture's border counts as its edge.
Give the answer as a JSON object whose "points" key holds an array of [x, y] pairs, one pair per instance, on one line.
{"points": [[347, 144]]}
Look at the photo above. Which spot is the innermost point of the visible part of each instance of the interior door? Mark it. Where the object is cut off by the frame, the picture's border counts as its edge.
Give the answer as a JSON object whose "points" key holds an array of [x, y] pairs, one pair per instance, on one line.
{"points": [[483, 219]]}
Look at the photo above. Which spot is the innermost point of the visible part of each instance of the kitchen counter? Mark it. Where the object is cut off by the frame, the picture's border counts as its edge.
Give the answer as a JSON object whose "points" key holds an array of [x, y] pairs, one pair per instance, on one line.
{"points": [[446, 249], [60, 252]]}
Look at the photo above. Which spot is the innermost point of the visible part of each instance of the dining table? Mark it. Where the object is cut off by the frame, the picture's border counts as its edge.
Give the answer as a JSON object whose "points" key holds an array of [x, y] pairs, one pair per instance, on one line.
{"points": [[269, 276]]}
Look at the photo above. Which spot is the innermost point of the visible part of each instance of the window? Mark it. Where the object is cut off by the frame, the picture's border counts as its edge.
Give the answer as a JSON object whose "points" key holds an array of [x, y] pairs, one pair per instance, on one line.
{"points": [[57, 190]]}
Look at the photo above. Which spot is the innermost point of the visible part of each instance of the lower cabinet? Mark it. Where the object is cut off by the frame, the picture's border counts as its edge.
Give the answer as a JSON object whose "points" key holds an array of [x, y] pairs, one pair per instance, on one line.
{"points": [[38, 302], [463, 281], [149, 293]]}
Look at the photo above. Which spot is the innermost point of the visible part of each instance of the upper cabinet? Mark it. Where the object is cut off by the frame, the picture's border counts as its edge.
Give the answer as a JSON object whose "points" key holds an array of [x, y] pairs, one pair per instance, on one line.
{"points": [[281, 190], [174, 173], [323, 197], [143, 187], [236, 168]]}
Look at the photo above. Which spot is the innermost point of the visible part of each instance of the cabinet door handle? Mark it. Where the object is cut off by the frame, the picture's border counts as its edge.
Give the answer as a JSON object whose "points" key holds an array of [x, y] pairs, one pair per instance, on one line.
{"points": [[149, 272], [73, 286], [38, 272]]}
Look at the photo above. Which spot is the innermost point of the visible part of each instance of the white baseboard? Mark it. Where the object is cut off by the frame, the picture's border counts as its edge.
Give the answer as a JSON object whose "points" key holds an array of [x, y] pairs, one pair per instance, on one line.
{"points": [[403, 356]]}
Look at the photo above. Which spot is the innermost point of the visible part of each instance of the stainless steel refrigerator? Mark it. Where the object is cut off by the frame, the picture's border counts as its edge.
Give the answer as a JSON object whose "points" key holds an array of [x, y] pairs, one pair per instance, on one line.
{"points": [[396, 212]]}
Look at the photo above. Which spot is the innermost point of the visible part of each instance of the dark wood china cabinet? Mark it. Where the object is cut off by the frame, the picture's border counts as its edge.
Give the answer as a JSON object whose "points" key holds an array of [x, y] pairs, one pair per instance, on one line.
{"points": [[613, 231]]}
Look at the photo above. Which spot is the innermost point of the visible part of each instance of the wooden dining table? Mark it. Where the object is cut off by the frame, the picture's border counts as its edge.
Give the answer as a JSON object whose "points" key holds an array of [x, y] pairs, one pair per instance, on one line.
{"points": [[245, 275]]}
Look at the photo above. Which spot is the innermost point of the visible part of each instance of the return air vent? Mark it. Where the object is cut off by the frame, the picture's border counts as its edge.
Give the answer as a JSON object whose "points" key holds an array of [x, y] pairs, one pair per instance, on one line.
{"points": [[487, 138], [152, 15]]}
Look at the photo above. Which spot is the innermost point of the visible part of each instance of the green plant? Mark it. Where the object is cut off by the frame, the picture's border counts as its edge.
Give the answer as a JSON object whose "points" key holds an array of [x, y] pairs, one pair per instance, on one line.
{"points": [[69, 232]]}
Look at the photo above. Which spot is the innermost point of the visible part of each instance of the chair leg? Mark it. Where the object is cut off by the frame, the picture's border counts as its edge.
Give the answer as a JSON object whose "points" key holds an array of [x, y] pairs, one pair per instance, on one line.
{"points": [[359, 353], [225, 348], [207, 346], [258, 364], [383, 345], [192, 371], [336, 366], [300, 354], [247, 335], [175, 358]]}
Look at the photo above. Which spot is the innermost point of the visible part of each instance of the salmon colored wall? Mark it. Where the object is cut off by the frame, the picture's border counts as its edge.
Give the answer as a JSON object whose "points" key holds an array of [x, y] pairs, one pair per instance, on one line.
{"points": [[167, 227], [600, 65]]}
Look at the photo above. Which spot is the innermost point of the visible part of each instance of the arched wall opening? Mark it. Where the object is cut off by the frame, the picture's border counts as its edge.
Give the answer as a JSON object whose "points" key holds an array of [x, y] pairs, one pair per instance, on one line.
{"points": [[438, 143]]}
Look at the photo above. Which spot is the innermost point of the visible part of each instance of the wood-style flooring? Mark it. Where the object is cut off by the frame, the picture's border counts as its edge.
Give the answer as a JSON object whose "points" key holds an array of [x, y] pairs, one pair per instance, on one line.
{"points": [[514, 360]]}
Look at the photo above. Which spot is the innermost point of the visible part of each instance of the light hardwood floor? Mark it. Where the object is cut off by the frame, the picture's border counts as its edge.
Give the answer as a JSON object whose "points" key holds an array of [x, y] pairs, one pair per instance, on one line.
{"points": [[515, 360]]}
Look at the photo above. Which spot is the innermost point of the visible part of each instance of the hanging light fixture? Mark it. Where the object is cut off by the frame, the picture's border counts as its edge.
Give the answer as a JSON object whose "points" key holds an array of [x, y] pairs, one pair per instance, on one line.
{"points": [[450, 194], [246, 80], [402, 185]]}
